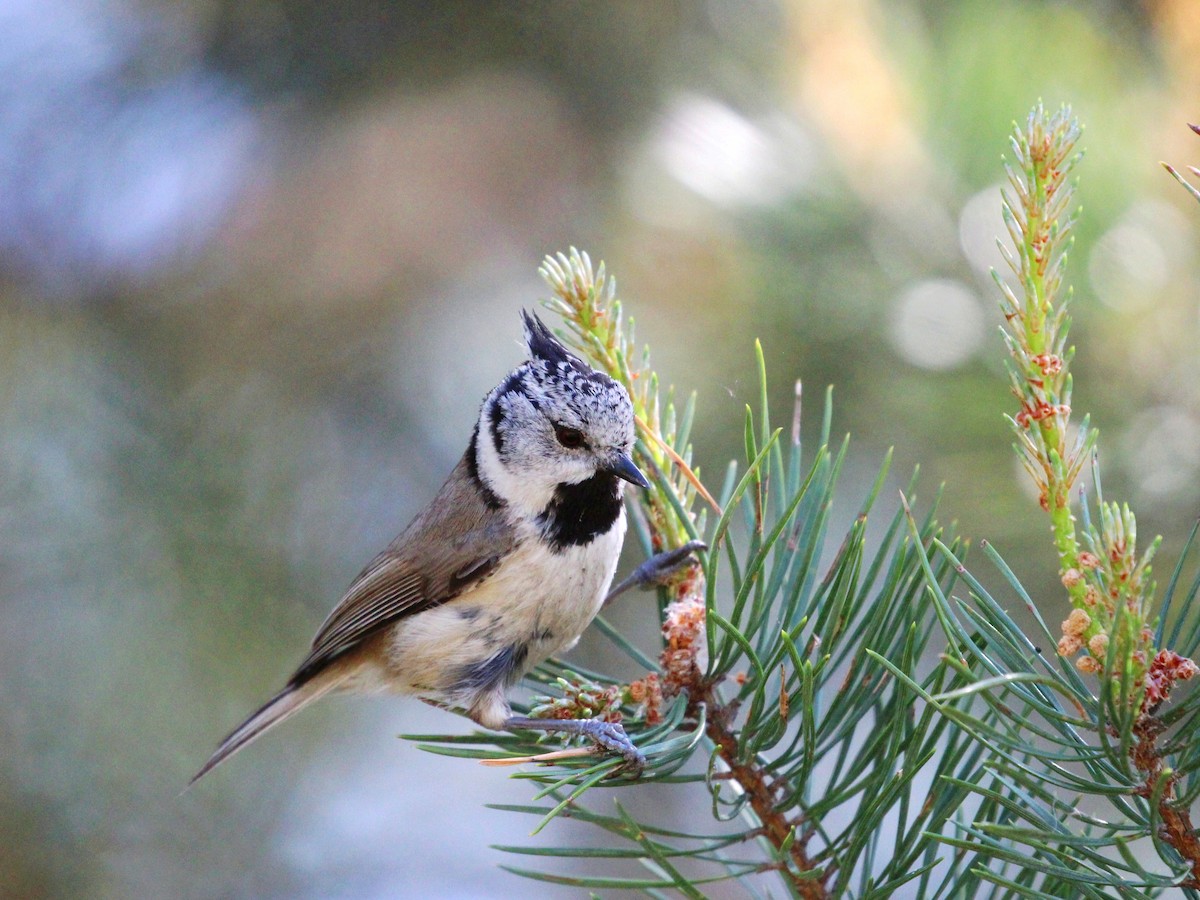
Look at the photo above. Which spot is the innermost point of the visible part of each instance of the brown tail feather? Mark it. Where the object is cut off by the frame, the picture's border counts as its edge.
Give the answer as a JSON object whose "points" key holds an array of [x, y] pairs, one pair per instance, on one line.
{"points": [[291, 699]]}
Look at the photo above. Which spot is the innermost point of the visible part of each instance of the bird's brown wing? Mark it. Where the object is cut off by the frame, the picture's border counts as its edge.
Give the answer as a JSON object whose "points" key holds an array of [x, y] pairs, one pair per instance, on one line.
{"points": [[454, 543]]}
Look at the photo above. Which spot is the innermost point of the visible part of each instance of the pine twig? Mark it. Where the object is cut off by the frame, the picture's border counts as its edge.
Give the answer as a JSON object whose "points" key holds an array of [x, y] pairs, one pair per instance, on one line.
{"points": [[1108, 584]]}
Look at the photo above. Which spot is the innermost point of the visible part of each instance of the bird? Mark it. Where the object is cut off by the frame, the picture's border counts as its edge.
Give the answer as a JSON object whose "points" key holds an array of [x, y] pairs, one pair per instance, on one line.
{"points": [[505, 567]]}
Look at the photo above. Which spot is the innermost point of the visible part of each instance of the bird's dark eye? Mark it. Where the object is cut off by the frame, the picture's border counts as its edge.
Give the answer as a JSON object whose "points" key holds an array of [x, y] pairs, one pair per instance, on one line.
{"points": [[571, 438]]}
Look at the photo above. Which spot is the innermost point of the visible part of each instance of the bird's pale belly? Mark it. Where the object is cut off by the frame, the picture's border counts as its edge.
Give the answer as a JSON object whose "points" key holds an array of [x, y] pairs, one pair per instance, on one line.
{"points": [[468, 652]]}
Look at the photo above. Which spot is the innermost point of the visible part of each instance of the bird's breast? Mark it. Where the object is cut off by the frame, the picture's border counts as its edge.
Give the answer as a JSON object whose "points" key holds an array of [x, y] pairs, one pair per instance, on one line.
{"points": [[551, 592], [535, 604]]}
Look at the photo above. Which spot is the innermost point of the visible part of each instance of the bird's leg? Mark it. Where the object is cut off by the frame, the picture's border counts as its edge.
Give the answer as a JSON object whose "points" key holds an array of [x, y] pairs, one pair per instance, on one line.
{"points": [[657, 569], [609, 735]]}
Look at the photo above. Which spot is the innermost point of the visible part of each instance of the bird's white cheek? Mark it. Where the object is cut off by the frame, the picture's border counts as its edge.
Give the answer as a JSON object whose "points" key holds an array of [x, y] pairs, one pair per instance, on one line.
{"points": [[525, 494]]}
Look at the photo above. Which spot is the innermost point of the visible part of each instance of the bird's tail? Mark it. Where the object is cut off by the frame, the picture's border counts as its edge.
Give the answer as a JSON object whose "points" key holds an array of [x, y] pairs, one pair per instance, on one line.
{"points": [[291, 699]]}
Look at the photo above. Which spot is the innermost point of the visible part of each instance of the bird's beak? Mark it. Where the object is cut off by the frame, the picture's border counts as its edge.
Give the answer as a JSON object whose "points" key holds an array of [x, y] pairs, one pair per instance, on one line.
{"points": [[623, 467]]}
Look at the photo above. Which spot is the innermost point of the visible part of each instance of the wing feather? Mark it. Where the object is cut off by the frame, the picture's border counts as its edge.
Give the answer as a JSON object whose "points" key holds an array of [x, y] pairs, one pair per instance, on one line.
{"points": [[452, 545]]}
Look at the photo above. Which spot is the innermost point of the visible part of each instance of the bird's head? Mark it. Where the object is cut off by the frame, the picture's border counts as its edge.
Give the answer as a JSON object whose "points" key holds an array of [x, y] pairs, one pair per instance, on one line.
{"points": [[556, 421]]}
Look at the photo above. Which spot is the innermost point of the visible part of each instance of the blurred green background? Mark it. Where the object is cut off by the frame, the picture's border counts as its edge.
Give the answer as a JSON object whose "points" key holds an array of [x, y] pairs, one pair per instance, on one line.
{"points": [[259, 261]]}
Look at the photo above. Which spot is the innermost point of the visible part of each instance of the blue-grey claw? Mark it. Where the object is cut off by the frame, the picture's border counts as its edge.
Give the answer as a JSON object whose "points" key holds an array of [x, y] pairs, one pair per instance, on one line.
{"points": [[609, 735], [657, 569]]}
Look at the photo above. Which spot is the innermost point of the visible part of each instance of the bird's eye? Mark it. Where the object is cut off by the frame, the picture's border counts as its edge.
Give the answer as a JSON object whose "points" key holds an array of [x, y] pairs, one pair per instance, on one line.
{"points": [[571, 438]]}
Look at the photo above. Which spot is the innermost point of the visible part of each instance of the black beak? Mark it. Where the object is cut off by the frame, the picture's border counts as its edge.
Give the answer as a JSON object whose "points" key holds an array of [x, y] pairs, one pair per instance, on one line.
{"points": [[623, 467]]}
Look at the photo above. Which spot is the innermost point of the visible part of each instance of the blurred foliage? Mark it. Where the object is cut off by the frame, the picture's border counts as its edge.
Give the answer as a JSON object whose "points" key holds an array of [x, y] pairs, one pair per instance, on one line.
{"points": [[259, 262]]}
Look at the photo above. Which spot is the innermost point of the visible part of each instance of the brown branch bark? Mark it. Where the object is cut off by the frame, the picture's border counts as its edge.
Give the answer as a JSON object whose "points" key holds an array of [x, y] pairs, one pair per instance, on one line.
{"points": [[683, 630], [775, 824], [1177, 827]]}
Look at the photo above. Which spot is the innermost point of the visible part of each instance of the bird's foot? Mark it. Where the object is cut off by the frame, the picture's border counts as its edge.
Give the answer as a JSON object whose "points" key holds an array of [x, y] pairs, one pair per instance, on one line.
{"points": [[658, 568], [609, 735]]}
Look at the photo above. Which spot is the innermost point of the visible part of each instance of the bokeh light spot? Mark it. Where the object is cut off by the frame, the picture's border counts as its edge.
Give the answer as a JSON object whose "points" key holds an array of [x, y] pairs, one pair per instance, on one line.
{"points": [[1134, 261], [728, 159], [937, 324], [1162, 450], [980, 224]]}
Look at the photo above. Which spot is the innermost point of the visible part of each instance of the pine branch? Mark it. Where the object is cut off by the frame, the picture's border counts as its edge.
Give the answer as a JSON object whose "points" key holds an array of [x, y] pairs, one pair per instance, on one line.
{"points": [[763, 798], [855, 769], [587, 300], [793, 632], [1108, 584]]}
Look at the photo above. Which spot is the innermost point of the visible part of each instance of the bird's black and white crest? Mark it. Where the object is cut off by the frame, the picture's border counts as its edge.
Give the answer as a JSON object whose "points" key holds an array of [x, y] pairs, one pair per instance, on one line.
{"points": [[543, 345], [553, 423], [555, 373]]}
